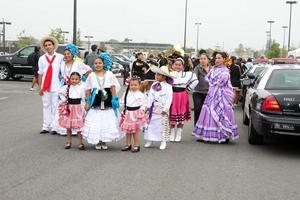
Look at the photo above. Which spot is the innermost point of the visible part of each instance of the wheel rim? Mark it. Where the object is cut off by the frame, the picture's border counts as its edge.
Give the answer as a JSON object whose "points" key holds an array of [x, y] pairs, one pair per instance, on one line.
{"points": [[3, 72]]}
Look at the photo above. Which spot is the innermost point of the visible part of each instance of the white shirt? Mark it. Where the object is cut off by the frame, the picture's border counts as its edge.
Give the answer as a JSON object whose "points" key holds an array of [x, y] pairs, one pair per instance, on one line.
{"points": [[43, 67], [134, 99], [75, 92], [77, 66], [162, 99], [109, 81], [186, 80]]}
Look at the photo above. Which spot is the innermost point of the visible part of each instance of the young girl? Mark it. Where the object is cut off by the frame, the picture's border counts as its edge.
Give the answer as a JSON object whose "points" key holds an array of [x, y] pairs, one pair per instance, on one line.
{"points": [[134, 114], [159, 102], [101, 124], [180, 108], [71, 111], [216, 122]]}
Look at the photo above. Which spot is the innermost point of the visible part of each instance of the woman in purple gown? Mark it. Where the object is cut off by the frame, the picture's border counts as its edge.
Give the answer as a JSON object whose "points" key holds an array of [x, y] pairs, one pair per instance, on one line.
{"points": [[216, 122]]}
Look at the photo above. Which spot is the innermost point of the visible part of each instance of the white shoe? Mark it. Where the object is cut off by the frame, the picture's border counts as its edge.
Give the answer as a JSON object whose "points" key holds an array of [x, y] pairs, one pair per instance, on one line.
{"points": [[163, 145], [172, 135], [32, 89], [178, 135], [148, 144]]}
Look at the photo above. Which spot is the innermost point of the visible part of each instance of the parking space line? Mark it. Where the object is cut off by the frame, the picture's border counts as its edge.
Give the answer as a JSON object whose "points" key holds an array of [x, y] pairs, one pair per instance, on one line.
{"points": [[3, 98]]}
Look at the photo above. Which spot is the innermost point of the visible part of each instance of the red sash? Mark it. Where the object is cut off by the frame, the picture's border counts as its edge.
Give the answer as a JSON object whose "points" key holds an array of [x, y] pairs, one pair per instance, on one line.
{"points": [[48, 77]]}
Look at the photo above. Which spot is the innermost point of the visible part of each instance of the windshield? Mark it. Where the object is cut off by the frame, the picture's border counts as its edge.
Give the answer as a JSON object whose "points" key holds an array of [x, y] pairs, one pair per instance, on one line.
{"points": [[284, 79], [258, 70]]}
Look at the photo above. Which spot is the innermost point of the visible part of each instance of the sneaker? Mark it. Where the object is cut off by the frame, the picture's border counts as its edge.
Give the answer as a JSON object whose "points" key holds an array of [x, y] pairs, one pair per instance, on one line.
{"points": [[104, 146], [44, 132], [148, 144], [98, 146], [31, 89], [163, 146]]}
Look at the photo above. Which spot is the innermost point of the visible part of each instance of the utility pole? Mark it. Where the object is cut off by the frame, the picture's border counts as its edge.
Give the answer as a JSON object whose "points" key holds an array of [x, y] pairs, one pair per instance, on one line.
{"points": [[185, 24], [75, 23], [197, 24], [290, 26], [89, 42]]}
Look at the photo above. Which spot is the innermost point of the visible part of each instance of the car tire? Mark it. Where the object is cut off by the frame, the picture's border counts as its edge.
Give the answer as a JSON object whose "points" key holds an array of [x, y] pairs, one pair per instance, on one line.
{"points": [[17, 77], [245, 118], [4, 72], [253, 136]]}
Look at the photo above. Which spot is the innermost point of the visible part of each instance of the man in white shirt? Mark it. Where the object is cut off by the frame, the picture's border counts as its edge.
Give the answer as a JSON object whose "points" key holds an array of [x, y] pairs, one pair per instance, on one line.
{"points": [[49, 69]]}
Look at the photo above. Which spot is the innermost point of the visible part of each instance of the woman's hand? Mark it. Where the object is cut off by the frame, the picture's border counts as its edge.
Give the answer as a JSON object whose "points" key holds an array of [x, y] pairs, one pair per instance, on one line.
{"points": [[86, 106]]}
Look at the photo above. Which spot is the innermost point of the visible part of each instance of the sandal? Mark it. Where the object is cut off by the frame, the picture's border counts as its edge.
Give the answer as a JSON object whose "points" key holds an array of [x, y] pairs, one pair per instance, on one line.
{"points": [[135, 149], [126, 148], [81, 147], [68, 146]]}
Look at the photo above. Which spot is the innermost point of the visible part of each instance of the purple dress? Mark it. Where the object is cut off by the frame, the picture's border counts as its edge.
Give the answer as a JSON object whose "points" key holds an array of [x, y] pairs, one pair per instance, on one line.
{"points": [[216, 122]]}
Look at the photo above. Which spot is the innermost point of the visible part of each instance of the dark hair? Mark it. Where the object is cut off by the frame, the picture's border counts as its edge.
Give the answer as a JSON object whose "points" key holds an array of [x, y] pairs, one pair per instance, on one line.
{"points": [[205, 54], [75, 74], [138, 54], [48, 41], [36, 49], [223, 54], [202, 51], [94, 47], [249, 60], [136, 78]]}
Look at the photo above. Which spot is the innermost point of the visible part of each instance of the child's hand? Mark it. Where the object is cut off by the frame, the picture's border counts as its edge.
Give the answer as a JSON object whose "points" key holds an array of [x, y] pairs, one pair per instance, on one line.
{"points": [[41, 92], [163, 113], [87, 107], [147, 110]]}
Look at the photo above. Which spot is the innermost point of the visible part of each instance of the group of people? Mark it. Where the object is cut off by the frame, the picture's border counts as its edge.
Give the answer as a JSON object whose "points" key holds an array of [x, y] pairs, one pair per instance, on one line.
{"points": [[83, 100]]}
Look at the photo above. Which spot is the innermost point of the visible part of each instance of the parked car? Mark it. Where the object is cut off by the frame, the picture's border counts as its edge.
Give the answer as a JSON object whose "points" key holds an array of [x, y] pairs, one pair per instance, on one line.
{"points": [[272, 104], [123, 57], [117, 68], [16, 66], [247, 77]]}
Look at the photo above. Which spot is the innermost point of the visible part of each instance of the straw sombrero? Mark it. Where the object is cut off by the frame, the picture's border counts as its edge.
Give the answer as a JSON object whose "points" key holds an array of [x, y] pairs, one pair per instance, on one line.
{"points": [[161, 70], [47, 38]]}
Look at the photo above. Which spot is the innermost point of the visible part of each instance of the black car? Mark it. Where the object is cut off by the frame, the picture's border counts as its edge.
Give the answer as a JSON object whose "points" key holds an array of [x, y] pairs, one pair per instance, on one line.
{"points": [[274, 103], [15, 65]]}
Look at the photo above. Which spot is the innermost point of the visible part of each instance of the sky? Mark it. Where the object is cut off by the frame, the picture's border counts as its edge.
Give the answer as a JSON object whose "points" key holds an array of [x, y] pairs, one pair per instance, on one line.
{"points": [[224, 22]]}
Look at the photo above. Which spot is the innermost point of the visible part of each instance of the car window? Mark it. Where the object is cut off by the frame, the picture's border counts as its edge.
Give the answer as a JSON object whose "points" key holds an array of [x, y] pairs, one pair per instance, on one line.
{"points": [[26, 52], [284, 79], [258, 79], [258, 70]]}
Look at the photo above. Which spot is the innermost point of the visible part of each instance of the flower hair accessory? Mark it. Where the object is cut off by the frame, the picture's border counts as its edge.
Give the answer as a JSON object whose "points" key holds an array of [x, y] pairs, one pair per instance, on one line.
{"points": [[106, 61], [228, 62], [73, 50]]}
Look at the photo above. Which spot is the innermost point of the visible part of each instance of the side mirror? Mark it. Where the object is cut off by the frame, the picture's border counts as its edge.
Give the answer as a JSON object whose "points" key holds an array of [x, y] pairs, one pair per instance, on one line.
{"points": [[246, 82], [251, 76]]}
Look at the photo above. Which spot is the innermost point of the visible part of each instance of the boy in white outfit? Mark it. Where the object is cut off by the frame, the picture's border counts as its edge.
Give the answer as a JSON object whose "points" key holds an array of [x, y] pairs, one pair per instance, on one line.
{"points": [[49, 70]]}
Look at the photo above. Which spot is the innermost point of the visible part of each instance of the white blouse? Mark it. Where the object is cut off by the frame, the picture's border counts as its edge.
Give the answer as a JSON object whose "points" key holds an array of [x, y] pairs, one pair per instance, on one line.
{"points": [[134, 99], [77, 66], [109, 81], [75, 92], [162, 99], [186, 80]]}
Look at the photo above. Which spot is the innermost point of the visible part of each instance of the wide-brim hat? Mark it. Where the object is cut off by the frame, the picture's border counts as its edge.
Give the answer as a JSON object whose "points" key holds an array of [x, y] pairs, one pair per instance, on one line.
{"points": [[164, 70], [49, 38]]}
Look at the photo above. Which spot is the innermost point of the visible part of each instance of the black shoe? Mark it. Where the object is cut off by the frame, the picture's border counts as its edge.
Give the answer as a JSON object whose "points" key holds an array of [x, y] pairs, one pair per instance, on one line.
{"points": [[53, 133], [126, 148], [44, 132], [135, 149]]}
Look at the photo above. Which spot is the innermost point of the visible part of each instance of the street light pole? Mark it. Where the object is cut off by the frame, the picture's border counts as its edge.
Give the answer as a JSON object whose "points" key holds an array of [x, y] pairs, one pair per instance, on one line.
{"points": [[284, 30], [290, 25], [89, 42], [197, 24], [270, 43], [75, 23], [185, 24], [268, 39], [3, 32]]}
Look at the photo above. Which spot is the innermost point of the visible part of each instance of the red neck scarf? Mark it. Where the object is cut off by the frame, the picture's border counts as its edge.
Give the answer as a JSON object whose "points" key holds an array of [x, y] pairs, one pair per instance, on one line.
{"points": [[48, 78]]}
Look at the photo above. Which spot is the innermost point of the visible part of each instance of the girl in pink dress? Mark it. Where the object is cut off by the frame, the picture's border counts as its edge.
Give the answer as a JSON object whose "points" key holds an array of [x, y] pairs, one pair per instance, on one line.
{"points": [[71, 111], [134, 113]]}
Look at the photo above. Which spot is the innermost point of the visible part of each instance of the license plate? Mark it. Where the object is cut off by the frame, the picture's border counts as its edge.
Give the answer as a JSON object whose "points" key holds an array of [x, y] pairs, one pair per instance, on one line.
{"points": [[288, 127]]}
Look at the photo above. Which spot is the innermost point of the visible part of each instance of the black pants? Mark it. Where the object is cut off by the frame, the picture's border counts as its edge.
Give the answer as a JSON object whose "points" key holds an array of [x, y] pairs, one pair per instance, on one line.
{"points": [[198, 99]]}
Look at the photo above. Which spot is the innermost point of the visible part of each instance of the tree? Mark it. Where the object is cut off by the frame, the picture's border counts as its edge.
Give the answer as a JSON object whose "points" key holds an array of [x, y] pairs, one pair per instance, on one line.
{"points": [[240, 51], [58, 34], [284, 53], [24, 40], [274, 51]]}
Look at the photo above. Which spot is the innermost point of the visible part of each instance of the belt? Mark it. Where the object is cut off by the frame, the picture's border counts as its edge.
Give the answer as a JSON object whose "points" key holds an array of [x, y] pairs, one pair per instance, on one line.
{"points": [[74, 101], [133, 108], [178, 89]]}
